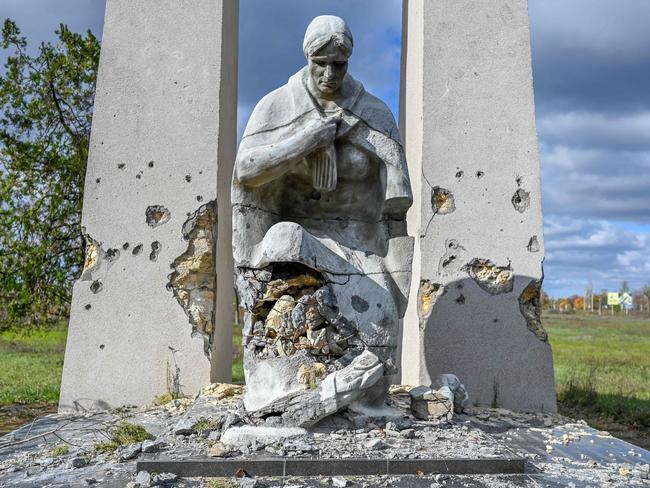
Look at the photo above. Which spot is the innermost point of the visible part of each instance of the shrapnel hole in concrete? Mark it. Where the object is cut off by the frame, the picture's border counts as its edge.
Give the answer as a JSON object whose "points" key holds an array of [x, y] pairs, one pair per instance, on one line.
{"points": [[137, 250], [521, 200], [194, 272], [156, 215], [428, 292], [155, 250], [442, 201], [530, 305], [490, 277], [533, 244]]}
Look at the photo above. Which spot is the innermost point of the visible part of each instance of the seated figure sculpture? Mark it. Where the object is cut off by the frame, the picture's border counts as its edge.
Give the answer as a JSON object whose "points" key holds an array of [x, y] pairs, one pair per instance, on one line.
{"points": [[323, 260]]}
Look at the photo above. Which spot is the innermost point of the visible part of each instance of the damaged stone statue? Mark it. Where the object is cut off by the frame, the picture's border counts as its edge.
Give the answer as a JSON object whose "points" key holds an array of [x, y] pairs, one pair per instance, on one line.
{"points": [[323, 260]]}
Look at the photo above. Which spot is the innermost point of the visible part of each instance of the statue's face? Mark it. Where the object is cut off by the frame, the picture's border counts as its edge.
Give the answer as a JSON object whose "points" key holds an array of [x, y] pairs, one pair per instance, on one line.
{"points": [[328, 68]]}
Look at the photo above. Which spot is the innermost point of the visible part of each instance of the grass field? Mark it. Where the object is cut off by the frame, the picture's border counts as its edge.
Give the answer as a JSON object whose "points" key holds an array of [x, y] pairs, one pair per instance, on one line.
{"points": [[602, 367], [602, 371]]}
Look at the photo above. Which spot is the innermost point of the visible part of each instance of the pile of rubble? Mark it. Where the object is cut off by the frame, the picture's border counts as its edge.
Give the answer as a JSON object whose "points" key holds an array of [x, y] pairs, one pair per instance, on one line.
{"points": [[59, 450]]}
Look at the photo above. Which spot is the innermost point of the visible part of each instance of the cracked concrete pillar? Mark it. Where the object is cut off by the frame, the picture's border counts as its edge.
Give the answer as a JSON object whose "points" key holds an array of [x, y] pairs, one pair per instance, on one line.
{"points": [[152, 311], [468, 121]]}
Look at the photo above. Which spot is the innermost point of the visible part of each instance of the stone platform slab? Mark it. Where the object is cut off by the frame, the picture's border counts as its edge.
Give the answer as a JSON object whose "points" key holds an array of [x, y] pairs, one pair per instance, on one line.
{"points": [[225, 468]]}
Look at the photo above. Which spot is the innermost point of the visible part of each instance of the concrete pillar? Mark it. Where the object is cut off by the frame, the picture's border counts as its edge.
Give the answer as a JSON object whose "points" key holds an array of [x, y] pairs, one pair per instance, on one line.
{"points": [[468, 121], [154, 301]]}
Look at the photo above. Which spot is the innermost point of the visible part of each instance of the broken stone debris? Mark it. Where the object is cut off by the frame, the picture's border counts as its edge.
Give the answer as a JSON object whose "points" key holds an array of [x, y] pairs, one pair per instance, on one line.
{"points": [[439, 401]]}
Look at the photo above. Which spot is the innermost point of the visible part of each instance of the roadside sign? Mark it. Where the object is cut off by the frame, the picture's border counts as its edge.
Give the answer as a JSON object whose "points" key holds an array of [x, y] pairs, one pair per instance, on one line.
{"points": [[626, 299], [613, 299]]}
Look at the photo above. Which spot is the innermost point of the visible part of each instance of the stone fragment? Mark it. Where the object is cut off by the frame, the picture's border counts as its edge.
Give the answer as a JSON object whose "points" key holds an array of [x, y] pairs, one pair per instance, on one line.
{"points": [[143, 479], [153, 446], [280, 315], [374, 444], [130, 451], [427, 404], [219, 449], [78, 462], [247, 482], [308, 374], [184, 426], [458, 392], [340, 482], [163, 479]]}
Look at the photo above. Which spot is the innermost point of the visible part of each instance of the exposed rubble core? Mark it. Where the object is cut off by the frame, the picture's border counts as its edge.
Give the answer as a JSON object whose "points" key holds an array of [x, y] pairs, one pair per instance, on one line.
{"points": [[193, 279], [297, 311], [490, 277], [530, 304]]}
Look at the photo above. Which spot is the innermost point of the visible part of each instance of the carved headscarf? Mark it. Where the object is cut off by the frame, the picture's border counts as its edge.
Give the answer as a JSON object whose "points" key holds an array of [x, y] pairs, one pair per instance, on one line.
{"points": [[324, 29]]}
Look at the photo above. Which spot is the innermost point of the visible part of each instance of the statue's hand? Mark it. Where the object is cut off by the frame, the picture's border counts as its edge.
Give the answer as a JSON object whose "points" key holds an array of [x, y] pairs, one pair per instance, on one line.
{"points": [[322, 132]]}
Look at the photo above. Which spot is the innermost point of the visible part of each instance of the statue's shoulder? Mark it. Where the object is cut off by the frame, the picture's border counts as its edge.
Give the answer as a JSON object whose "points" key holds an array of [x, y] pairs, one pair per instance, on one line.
{"points": [[376, 114], [276, 108]]}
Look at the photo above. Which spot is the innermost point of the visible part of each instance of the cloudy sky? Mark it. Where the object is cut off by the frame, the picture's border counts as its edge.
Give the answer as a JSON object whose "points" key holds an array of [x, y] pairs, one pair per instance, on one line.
{"points": [[591, 61]]}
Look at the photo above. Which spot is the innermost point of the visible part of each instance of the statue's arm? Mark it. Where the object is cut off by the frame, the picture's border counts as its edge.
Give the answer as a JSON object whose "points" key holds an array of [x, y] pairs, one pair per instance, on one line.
{"points": [[258, 165]]}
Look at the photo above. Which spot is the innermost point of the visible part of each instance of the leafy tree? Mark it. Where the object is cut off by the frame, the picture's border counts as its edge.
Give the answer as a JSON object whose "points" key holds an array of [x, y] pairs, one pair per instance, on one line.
{"points": [[46, 101]]}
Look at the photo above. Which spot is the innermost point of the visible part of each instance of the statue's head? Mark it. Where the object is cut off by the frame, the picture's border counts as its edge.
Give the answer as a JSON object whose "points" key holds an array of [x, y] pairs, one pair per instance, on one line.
{"points": [[327, 46]]}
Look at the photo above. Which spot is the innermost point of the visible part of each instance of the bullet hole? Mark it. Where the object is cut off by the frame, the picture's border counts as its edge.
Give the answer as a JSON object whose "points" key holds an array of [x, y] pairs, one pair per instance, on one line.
{"points": [[199, 198], [88, 306], [98, 180], [102, 346], [442, 201], [121, 166], [156, 215], [379, 305], [137, 250], [495, 321], [125, 246], [533, 244], [461, 299], [188, 178], [150, 164], [155, 250], [200, 172], [480, 174], [315, 195], [96, 286], [138, 177], [521, 200], [459, 175], [359, 304], [490, 277], [519, 180]]}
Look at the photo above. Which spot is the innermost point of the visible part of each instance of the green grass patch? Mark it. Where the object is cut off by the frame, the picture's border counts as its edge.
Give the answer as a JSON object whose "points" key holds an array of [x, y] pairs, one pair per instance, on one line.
{"points": [[602, 366], [30, 365], [60, 450], [125, 433]]}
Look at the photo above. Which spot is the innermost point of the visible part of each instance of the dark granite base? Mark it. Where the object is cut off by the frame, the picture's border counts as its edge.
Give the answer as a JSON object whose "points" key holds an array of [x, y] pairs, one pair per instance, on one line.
{"points": [[209, 467]]}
